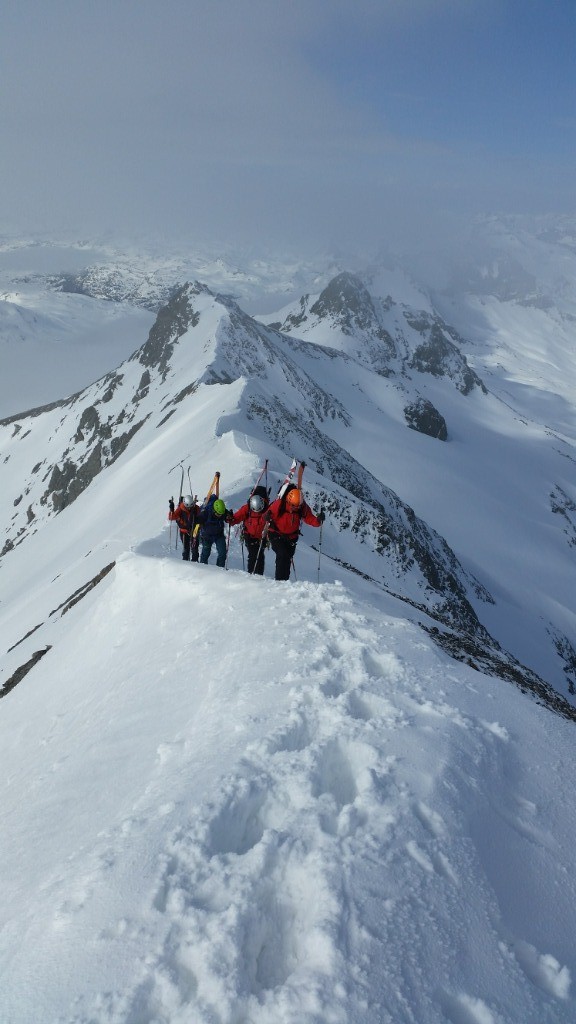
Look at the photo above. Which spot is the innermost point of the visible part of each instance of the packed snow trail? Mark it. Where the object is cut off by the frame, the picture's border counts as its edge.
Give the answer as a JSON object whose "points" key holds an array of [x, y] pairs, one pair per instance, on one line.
{"points": [[271, 803]]}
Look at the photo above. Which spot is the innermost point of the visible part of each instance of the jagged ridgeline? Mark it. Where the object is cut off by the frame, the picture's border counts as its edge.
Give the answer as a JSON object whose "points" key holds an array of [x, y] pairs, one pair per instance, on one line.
{"points": [[276, 391], [285, 405]]}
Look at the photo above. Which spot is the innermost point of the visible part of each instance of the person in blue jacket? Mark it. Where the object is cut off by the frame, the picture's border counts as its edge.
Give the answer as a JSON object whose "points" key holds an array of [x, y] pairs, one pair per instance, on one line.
{"points": [[212, 519]]}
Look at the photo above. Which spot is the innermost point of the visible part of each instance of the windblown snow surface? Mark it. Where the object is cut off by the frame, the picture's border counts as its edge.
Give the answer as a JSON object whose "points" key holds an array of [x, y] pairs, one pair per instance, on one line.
{"points": [[234, 800]]}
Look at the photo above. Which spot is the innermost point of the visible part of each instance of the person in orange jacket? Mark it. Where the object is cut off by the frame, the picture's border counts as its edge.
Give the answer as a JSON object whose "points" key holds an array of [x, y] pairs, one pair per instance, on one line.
{"points": [[286, 514], [185, 515], [253, 515]]}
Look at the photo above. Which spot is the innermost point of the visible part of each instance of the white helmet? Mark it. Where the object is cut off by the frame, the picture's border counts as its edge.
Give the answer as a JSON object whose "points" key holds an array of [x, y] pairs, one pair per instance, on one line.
{"points": [[257, 502], [188, 501]]}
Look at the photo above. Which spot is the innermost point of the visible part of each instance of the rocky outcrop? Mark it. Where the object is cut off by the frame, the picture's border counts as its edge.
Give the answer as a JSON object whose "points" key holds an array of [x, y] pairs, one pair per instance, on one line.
{"points": [[421, 415], [173, 321], [438, 354]]}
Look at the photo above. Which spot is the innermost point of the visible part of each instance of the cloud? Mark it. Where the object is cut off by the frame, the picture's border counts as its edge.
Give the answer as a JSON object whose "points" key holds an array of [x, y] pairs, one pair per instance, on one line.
{"points": [[234, 119]]}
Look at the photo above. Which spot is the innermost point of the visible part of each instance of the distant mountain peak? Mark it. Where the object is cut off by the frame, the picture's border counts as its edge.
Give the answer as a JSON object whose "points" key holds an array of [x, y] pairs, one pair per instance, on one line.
{"points": [[173, 320]]}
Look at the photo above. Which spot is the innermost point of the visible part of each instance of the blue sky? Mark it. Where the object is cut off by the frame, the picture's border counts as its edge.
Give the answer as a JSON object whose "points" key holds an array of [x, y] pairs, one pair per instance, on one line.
{"points": [[293, 122], [496, 75]]}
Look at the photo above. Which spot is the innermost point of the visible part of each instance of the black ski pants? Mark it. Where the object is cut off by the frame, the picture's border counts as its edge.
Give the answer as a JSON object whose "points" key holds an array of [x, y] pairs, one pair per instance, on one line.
{"points": [[283, 548], [189, 546], [255, 549]]}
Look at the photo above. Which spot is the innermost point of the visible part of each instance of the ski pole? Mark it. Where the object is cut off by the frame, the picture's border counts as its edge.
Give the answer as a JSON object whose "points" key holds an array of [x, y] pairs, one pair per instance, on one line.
{"points": [[179, 499], [320, 547], [262, 542], [227, 547]]}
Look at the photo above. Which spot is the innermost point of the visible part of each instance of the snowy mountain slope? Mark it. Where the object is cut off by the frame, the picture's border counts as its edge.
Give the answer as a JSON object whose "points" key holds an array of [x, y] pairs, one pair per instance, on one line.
{"points": [[200, 341], [46, 338], [500, 482], [379, 333], [251, 801], [70, 311], [515, 297], [229, 799]]}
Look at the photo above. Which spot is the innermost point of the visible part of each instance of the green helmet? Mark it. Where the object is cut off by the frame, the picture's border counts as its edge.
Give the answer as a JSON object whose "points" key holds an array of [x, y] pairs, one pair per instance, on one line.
{"points": [[219, 507]]}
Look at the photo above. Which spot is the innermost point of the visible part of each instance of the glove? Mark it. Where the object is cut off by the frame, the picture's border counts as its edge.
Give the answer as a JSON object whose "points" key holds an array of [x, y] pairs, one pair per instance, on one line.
{"points": [[322, 515], [171, 504], [229, 516]]}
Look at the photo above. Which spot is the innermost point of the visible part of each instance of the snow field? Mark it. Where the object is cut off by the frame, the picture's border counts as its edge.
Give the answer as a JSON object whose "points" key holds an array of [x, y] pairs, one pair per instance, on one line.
{"points": [[258, 802]]}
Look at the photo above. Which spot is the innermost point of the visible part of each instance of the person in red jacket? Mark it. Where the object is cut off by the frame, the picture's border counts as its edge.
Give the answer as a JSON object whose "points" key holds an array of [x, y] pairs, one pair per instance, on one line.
{"points": [[253, 515], [185, 515], [285, 516]]}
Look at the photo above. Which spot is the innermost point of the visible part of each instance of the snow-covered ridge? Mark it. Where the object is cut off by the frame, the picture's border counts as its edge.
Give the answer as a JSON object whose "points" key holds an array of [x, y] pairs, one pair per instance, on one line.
{"points": [[272, 390], [321, 817], [230, 799]]}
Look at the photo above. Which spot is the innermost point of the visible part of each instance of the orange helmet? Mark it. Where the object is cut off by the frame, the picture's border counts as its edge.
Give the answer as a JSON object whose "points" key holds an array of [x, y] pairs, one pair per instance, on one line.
{"points": [[294, 498]]}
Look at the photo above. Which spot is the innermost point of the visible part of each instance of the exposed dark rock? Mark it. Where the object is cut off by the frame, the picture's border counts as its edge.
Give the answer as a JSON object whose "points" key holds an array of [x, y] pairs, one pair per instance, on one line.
{"points": [[424, 417], [143, 387], [567, 654], [190, 390], [77, 596], [83, 590], [25, 637], [113, 380], [172, 322], [492, 660], [439, 356], [295, 320], [103, 282], [562, 505], [23, 671], [347, 302], [379, 519], [89, 422], [165, 419], [67, 484], [119, 444]]}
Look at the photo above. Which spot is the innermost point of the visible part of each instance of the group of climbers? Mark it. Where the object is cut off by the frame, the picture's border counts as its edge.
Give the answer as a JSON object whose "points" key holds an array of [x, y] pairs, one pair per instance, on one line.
{"points": [[200, 525], [276, 524]]}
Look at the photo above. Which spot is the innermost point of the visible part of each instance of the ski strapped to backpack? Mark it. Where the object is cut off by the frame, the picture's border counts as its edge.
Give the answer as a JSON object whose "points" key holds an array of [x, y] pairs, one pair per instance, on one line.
{"points": [[213, 489], [288, 478], [263, 472]]}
